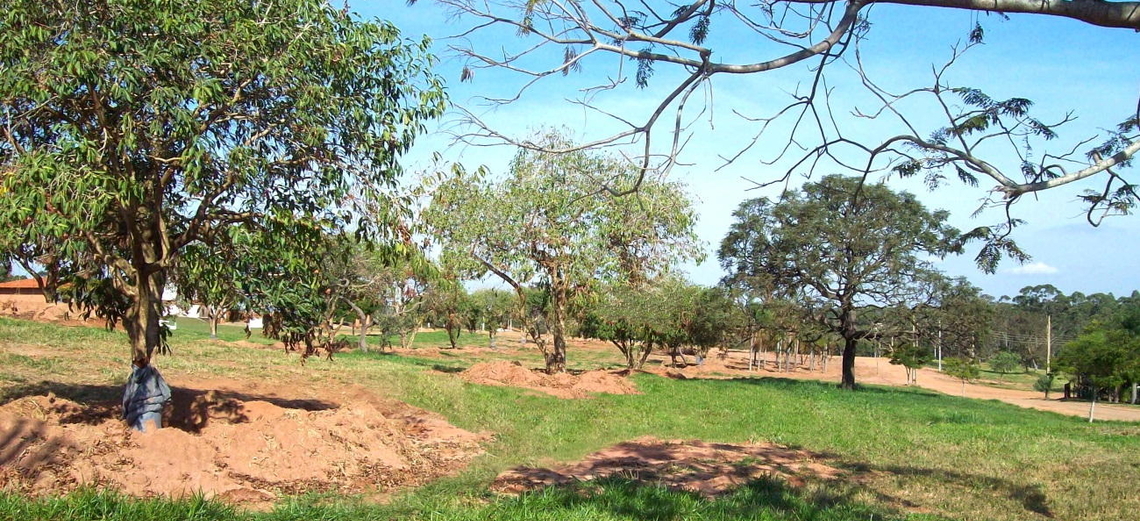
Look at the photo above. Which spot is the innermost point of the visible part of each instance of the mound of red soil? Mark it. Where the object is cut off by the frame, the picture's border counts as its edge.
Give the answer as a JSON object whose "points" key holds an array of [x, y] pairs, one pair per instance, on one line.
{"points": [[563, 385], [709, 469], [248, 451]]}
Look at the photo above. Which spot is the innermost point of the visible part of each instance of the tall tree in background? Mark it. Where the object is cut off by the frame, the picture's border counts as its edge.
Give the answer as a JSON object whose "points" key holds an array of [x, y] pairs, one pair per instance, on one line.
{"points": [[841, 245], [132, 130], [962, 319], [553, 221]]}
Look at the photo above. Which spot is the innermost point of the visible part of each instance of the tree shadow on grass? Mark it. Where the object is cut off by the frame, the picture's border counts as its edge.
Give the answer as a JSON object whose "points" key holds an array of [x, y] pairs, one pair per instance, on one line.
{"points": [[795, 384], [189, 409], [1031, 497], [447, 368], [635, 499]]}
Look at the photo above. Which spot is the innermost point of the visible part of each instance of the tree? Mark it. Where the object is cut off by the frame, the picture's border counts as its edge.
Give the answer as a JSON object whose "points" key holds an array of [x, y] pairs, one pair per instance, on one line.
{"points": [[1005, 362], [402, 284], [1105, 356], [132, 131], [961, 318], [911, 356], [635, 319], [964, 369], [672, 53], [551, 221], [297, 293], [1044, 383], [491, 309], [369, 279], [840, 245], [445, 301], [211, 276], [709, 319]]}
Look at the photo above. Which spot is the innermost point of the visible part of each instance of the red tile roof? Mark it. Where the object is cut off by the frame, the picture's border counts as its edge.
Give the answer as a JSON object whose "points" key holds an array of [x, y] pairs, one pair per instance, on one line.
{"points": [[20, 284]]}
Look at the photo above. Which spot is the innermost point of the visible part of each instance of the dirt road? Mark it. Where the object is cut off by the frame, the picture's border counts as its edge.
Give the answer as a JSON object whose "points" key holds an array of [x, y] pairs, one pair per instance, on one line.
{"points": [[879, 371]]}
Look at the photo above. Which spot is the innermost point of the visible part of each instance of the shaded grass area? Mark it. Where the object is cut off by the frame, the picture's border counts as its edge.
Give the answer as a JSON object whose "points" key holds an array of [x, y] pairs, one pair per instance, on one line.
{"points": [[605, 499], [904, 451]]}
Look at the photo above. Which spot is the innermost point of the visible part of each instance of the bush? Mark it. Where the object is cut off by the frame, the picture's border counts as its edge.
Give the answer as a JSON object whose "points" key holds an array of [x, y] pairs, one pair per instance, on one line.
{"points": [[1044, 383], [1005, 362]]}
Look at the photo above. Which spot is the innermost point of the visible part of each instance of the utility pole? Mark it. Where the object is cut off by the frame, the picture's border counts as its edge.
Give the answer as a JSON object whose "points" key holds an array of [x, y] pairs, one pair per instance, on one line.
{"points": [[1048, 342], [940, 345]]}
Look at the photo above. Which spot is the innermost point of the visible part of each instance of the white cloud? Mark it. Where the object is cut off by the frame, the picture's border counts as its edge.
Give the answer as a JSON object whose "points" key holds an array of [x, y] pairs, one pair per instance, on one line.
{"points": [[1036, 268]]}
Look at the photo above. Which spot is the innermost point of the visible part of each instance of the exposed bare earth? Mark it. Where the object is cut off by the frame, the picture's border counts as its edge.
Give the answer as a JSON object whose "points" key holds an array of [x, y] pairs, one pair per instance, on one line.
{"points": [[565, 385], [231, 441], [709, 469], [879, 371], [33, 307]]}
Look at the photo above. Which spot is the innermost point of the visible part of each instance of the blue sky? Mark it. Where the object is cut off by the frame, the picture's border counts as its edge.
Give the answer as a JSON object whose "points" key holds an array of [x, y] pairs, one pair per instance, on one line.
{"points": [[1062, 65]]}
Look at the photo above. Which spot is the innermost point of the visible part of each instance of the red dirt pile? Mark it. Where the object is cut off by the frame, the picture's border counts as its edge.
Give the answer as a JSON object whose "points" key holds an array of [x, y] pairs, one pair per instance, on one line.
{"points": [[563, 385], [709, 469], [33, 307], [240, 450]]}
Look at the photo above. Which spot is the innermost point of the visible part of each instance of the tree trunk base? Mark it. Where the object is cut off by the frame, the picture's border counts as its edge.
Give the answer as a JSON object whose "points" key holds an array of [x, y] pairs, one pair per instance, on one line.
{"points": [[143, 399]]}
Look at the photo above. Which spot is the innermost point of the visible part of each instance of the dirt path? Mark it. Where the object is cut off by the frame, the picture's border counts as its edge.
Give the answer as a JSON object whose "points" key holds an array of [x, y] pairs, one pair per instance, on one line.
{"points": [[870, 370]]}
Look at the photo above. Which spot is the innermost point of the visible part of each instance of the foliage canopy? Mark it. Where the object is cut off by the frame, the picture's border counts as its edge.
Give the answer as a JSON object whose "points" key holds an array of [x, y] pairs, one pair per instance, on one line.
{"points": [[836, 246], [133, 130]]}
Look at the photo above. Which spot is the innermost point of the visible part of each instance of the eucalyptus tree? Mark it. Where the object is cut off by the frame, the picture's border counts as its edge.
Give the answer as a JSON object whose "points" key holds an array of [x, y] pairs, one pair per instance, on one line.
{"points": [[133, 130], [840, 245], [554, 220]]}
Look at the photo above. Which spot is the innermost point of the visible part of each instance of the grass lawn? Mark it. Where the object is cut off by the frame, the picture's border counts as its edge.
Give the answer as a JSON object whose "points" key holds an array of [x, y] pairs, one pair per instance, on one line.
{"points": [[199, 329], [907, 453]]}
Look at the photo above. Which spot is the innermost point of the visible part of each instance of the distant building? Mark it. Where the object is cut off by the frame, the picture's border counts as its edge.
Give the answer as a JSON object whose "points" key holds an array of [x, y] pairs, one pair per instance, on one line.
{"points": [[20, 287]]}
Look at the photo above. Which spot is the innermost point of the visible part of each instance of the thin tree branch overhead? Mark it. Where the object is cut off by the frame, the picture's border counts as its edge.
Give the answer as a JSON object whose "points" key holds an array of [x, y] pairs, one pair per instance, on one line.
{"points": [[601, 54]]}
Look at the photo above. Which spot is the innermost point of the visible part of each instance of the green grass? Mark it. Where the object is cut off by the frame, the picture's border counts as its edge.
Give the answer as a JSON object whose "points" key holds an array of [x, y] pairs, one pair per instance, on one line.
{"points": [[198, 329], [1021, 380], [902, 450], [607, 499]]}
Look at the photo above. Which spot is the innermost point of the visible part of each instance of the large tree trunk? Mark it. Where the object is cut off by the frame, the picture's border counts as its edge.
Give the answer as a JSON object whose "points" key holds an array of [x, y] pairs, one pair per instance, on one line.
{"points": [[365, 324], [556, 356], [848, 381], [142, 319], [145, 392], [850, 339], [215, 319]]}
